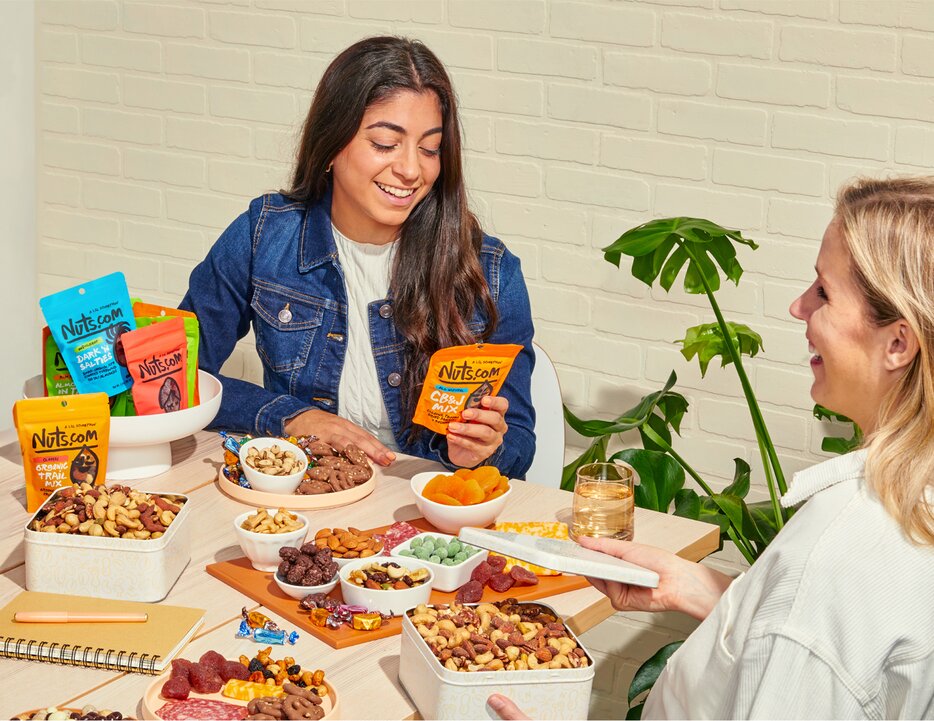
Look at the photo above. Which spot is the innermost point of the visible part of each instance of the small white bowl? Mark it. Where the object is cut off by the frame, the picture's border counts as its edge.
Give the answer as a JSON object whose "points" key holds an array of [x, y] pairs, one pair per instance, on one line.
{"points": [[447, 578], [451, 519], [299, 592], [263, 548], [393, 601], [260, 481]]}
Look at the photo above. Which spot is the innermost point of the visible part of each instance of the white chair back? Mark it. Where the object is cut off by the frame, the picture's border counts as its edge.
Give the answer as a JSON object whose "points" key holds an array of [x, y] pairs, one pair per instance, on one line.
{"points": [[549, 423]]}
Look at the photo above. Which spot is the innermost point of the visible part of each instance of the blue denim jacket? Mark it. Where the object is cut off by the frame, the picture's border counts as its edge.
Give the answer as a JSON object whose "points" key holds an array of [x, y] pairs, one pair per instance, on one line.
{"points": [[282, 254]]}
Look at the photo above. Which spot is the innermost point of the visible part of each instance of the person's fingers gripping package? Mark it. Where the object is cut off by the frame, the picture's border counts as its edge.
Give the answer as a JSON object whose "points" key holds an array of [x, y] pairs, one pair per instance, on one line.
{"points": [[458, 378]]}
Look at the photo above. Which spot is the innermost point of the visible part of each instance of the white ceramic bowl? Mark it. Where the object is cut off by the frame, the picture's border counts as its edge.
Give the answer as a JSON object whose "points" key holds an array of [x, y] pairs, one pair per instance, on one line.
{"points": [[263, 548], [395, 602], [451, 519], [447, 578], [299, 592], [260, 481]]}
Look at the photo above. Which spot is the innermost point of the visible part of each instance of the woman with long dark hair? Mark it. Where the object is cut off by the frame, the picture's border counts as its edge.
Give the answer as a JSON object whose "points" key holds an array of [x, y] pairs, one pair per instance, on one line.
{"points": [[368, 263]]}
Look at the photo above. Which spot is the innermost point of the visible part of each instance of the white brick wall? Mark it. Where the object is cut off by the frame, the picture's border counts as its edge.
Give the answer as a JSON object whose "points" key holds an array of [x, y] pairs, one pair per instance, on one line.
{"points": [[158, 121]]}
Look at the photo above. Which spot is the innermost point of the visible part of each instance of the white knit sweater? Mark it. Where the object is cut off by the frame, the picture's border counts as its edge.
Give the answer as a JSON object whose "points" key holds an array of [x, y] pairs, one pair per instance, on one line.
{"points": [[834, 620]]}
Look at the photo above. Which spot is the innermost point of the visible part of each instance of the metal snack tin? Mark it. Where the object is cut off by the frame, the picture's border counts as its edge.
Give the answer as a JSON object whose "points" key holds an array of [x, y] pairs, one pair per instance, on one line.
{"points": [[440, 693], [104, 567]]}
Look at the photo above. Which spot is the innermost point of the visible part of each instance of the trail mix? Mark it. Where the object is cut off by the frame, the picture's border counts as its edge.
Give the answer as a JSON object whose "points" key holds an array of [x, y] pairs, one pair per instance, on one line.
{"points": [[87, 712], [502, 636], [115, 511], [388, 576]]}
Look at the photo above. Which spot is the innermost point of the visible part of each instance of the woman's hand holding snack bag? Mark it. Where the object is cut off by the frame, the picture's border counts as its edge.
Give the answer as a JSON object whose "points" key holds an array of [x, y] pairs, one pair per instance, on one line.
{"points": [[338, 432], [480, 432]]}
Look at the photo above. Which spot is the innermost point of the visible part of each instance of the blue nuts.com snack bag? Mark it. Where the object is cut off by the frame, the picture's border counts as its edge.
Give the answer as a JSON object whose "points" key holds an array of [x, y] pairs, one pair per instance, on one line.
{"points": [[86, 322]]}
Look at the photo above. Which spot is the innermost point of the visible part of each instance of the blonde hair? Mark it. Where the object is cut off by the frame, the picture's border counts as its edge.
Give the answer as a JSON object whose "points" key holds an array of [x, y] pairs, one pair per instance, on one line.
{"points": [[888, 227]]}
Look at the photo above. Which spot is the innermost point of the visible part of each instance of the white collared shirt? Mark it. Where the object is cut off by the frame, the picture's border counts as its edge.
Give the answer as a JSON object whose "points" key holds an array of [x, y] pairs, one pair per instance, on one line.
{"points": [[834, 620]]}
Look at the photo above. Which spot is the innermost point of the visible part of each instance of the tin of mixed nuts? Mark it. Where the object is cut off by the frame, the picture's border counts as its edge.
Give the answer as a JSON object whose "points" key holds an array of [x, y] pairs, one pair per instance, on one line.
{"points": [[115, 511], [501, 636]]}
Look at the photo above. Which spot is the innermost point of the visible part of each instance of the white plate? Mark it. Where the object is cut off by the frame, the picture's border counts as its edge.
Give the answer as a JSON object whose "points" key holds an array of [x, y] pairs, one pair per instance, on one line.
{"points": [[293, 501], [153, 701]]}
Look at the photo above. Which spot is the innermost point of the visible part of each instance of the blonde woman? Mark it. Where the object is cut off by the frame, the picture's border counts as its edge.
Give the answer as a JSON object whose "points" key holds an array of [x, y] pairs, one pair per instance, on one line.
{"points": [[836, 618]]}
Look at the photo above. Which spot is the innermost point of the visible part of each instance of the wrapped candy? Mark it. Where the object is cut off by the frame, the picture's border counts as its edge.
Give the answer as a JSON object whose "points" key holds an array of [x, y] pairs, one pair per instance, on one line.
{"points": [[255, 619], [266, 635], [367, 621]]}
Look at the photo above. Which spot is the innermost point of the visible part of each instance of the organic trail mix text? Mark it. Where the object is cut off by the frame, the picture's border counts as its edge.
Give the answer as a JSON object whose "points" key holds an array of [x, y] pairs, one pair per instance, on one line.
{"points": [[156, 357], [86, 322], [63, 440], [458, 378]]}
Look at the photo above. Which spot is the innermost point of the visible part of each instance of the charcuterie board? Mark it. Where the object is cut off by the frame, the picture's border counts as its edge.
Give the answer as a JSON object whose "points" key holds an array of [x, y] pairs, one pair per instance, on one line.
{"points": [[153, 700], [262, 588]]}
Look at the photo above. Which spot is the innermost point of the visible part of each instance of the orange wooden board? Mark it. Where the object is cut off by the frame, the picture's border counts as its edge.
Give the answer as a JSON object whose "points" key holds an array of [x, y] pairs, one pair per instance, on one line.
{"points": [[262, 588]]}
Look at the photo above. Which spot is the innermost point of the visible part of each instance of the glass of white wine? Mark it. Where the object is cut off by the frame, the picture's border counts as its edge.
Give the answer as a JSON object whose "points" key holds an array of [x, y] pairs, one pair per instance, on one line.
{"points": [[603, 501]]}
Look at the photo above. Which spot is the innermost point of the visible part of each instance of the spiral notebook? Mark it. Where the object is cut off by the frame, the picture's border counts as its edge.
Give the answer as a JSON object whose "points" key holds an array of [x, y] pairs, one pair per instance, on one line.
{"points": [[145, 647]]}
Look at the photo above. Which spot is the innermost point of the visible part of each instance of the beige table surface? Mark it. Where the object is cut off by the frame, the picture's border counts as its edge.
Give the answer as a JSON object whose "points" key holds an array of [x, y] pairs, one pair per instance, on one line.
{"points": [[365, 676]]}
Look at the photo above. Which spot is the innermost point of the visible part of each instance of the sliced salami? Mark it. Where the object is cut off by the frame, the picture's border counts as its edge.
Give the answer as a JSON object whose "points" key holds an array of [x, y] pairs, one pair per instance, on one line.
{"points": [[198, 709], [397, 533]]}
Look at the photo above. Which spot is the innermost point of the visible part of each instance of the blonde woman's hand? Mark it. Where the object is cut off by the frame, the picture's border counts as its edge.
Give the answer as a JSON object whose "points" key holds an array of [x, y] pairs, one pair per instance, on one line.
{"points": [[338, 432], [682, 585], [472, 442], [505, 708]]}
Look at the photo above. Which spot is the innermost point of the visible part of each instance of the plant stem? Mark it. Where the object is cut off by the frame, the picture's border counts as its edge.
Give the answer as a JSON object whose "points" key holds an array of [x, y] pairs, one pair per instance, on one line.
{"points": [[731, 532], [763, 439], [741, 542], [661, 443]]}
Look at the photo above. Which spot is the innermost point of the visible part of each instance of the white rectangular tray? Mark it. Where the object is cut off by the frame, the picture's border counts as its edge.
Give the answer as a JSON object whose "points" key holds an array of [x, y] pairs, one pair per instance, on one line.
{"points": [[564, 556]]}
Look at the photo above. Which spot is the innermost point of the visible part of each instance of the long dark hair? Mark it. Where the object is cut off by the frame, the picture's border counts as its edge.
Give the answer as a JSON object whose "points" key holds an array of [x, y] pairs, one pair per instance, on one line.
{"points": [[437, 282]]}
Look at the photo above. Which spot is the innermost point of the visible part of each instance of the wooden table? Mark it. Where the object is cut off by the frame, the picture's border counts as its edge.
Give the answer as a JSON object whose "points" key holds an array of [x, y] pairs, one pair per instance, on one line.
{"points": [[365, 676]]}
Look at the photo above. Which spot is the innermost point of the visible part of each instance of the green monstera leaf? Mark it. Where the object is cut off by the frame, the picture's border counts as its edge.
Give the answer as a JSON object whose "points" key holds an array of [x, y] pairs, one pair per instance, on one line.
{"points": [[707, 342], [660, 477], [662, 248], [663, 410]]}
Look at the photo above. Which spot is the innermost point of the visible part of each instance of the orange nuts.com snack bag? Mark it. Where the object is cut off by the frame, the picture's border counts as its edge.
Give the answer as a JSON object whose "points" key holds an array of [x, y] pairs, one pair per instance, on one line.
{"points": [[63, 440], [157, 358], [457, 378]]}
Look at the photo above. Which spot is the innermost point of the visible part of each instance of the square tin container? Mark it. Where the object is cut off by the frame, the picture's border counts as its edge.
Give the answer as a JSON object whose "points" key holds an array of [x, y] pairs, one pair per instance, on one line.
{"points": [[440, 693], [104, 567]]}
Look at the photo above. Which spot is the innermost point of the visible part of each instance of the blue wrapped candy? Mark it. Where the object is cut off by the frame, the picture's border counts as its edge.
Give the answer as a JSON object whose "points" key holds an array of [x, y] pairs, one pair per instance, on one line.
{"points": [[266, 635]]}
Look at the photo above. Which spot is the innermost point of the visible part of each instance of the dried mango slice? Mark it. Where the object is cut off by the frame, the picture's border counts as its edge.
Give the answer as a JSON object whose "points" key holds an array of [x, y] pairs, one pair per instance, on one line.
{"points": [[445, 499], [434, 485], [471, 493]]}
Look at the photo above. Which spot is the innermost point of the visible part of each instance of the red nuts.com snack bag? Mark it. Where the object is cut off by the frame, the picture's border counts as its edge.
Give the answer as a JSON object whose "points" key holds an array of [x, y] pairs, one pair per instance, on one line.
{"points": [[157, 358], [457, 378]]}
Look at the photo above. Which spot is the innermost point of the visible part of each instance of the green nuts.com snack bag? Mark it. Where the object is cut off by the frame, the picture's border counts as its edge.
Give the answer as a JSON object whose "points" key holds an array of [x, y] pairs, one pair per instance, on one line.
{"points": [[147, 314], [58, 381]]}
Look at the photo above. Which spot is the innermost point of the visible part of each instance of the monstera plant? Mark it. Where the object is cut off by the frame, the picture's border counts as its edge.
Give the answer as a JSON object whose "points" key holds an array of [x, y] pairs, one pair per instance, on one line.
{"points": [[661, 250], [706, 254]]}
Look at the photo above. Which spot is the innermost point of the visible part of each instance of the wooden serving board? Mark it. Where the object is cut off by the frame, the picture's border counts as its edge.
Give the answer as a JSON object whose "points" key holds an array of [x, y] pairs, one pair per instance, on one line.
{"points": [[262, 588]]}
